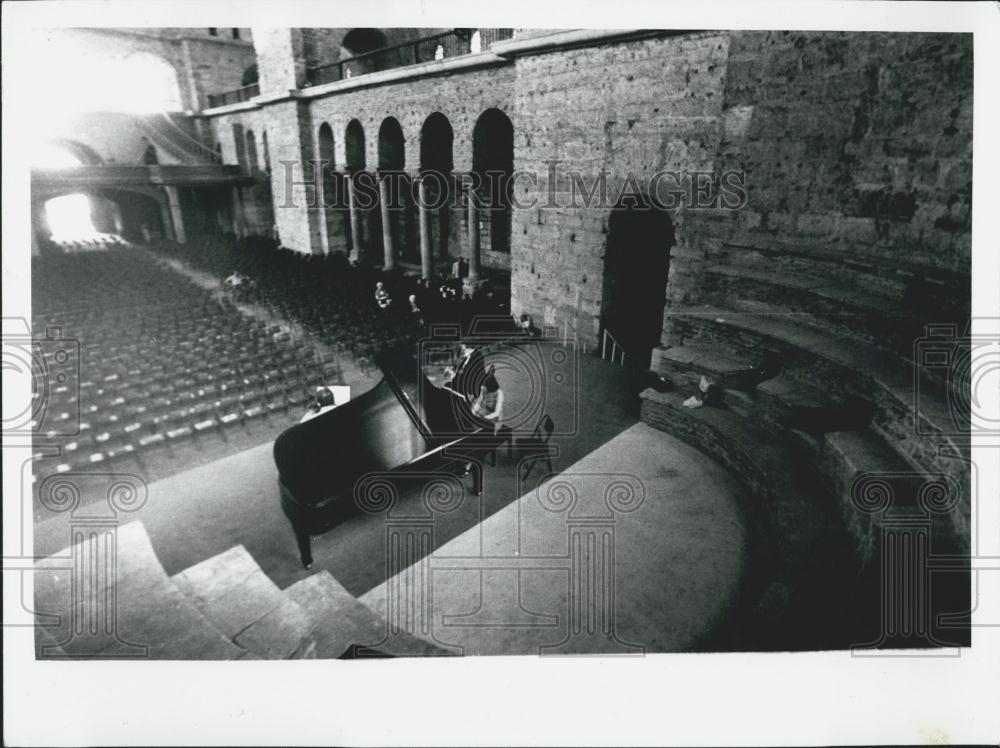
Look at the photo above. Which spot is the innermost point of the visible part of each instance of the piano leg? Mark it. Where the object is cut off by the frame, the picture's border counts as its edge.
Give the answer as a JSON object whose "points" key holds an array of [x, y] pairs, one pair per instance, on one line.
{"points": [[477, 477], [305, 545]]}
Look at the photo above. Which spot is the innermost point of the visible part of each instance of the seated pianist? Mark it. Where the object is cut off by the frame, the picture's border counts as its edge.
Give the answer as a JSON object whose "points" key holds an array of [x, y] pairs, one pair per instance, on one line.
{"points": [[489, 404]]}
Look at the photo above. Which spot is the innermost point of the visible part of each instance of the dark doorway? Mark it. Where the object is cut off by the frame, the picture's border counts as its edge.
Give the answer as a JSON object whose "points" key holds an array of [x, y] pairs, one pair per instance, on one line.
{"points": [[636, 266]]}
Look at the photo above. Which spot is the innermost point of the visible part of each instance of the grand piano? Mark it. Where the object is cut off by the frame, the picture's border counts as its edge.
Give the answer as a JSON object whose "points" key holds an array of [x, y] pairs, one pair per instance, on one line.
{"points": [[403, 425]]}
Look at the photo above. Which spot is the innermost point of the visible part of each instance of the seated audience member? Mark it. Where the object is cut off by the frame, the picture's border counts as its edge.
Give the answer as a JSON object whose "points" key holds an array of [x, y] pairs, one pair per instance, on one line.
{"points": [[234, 281], [527, 325], [447, 292], [709, 393], [382, 297], [323, 402]]}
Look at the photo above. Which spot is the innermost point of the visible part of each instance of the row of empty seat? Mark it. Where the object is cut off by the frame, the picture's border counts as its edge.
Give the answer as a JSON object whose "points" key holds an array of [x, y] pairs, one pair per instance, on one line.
{"points": [[139, 356]]}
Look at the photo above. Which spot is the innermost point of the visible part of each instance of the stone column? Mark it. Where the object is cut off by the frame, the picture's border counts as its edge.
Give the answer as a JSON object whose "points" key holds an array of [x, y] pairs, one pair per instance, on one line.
{"points": [[352, 208], [389, 254], [473, 237], [425, 231]]}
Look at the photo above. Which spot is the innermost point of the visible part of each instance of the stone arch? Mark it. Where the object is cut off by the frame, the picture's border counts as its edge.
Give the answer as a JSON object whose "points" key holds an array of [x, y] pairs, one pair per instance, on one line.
{"points": [[333, 187], [391, 146], [493, 162], [355, 161], [80, 152], [437, 140], [149, 83], [134, 206], [354, 145], [250, 76], [391, 169]]}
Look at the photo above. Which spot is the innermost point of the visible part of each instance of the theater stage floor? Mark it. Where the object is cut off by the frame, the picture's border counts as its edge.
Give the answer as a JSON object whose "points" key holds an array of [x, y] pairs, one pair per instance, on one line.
{"points": [[638, 547]]}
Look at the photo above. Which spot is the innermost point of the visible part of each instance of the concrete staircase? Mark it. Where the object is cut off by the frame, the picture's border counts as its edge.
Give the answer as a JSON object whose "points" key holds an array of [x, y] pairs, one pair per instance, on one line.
{"points": [[120, 603]]}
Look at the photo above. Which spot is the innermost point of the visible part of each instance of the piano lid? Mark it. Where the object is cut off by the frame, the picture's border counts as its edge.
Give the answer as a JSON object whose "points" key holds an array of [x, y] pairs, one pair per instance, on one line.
{"points": [[400, 419]]}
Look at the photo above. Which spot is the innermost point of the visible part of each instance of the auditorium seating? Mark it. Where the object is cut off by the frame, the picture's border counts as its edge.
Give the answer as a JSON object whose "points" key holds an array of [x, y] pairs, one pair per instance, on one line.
{"points": [[160, 360], [331, 299]]}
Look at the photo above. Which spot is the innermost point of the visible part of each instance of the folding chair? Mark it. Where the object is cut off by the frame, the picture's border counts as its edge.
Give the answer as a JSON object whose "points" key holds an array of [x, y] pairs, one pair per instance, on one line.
{"points": [[535, 448]]}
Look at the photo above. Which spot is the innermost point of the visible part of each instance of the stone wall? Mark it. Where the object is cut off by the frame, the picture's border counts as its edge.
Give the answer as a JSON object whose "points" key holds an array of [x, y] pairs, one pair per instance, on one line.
{"points": [[857, 144], [630, 108], [216, 65], [850, 143]]}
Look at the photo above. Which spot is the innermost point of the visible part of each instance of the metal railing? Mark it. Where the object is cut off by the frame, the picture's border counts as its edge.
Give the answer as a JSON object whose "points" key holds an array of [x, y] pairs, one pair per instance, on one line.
{"points": [[234, 97], [610, 346], [426, 49]]}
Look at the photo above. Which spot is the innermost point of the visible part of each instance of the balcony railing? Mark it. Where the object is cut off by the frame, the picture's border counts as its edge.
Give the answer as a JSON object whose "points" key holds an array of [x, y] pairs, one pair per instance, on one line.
{"points": [[234, 97], [426, 49]]}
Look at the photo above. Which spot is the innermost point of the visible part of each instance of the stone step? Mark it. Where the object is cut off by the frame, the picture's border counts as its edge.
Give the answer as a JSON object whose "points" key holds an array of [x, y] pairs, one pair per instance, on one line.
{"points": [[822, 302], [121, 604], [761, 462], [740, 402], [277, 634], [923, 417], [887, 276], [793, 404], [344, 627], [864, 470], [685, 365], [231, 590]]}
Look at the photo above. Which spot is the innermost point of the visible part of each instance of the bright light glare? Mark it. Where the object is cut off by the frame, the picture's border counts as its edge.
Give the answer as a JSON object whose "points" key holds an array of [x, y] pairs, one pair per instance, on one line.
{"points": [[81, 79], [69, 218], [50, 156]]}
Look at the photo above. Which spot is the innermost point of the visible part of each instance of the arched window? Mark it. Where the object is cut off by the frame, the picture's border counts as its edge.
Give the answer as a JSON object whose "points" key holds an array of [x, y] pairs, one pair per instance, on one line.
{"points": [[359, 42], [149, 156], [250, 76]]}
